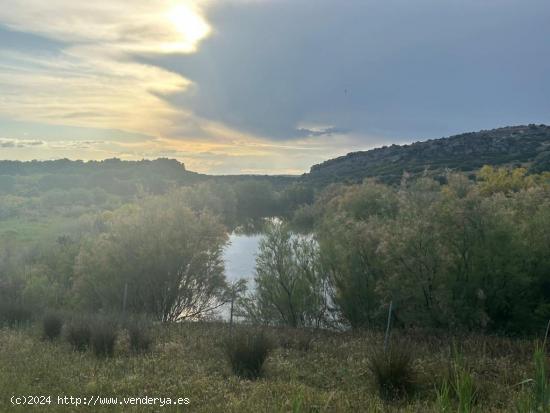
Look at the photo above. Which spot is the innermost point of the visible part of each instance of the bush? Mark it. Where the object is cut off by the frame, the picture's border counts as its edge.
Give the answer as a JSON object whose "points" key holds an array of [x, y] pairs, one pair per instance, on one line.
{"points": [[14, 314], [103, 338], [140, 337], [51, 326], [393, 372], [247, 352], [78, 334]]}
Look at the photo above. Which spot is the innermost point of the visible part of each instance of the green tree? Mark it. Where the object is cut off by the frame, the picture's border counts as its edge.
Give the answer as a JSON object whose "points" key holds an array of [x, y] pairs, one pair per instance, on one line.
{"points": [[167, 258], [290, 285]]}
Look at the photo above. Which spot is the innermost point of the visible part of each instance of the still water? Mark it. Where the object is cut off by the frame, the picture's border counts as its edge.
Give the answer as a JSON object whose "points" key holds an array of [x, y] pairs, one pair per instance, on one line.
{"points": [[240, 256], [240, 261]]}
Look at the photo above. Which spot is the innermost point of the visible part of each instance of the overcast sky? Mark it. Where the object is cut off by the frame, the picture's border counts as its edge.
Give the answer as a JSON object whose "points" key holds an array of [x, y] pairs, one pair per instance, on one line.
{"points": [[251, 86]]}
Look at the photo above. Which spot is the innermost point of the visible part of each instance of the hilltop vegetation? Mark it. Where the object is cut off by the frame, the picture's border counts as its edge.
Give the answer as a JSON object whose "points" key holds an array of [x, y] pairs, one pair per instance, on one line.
{"points": [[51, 198], [525, 146]]}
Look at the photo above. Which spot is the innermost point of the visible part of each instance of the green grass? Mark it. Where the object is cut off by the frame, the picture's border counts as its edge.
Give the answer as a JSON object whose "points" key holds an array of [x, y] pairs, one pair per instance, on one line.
{"points": [[28, 230], [188, 360]]}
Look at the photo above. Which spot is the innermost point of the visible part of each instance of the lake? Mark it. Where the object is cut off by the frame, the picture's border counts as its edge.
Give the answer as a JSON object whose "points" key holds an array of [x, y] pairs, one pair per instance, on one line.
{"points": [[240, 256]]}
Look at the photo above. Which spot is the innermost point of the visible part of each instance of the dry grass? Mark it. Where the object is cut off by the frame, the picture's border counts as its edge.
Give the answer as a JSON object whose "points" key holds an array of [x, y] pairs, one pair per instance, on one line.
{"points": [[188, 360]]}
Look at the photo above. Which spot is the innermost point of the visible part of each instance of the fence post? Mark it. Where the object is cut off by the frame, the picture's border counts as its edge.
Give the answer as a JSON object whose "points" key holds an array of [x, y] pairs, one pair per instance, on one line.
{"points": [[386, 338], [124, 298]]}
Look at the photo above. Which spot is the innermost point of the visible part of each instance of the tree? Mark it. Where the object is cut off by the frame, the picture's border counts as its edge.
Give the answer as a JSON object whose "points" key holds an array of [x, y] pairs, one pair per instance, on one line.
{"points": [[169, 257], [290, 285], [351, 234]]}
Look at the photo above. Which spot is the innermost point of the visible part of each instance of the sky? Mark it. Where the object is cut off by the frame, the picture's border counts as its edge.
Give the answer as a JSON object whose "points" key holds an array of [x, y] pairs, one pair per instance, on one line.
{"points": [[264, 87]]}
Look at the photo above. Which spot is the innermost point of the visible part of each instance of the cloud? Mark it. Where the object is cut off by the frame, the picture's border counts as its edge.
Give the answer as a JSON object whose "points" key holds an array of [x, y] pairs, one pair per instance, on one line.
{"points": [[275, 86], [395, 68], [85, 75], [19, 143]]}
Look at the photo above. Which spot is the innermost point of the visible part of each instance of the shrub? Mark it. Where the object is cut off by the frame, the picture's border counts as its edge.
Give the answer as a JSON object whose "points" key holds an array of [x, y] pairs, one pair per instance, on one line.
{"points": [[247, 352], [78, 333], [14, 314], [51, 326], [140, 337], [393, 372], [103, 338]]}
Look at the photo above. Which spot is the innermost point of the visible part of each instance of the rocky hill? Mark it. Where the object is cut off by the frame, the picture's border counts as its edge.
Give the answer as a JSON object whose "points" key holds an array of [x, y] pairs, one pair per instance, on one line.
{"points": [[527, 146]]}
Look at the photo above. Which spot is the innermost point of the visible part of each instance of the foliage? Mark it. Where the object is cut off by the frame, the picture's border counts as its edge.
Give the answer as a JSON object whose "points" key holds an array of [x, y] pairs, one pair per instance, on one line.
{"points": [[504, 147], [290, 283], [140, 336], [103, 337], [52, 324], [452, 255], [78, 333], [13, 314], [162, 255], [247, 352]]}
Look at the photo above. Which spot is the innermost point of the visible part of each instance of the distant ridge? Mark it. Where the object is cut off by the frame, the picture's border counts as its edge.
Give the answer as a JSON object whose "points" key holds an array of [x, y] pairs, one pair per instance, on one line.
{"points": [[527, 146]]}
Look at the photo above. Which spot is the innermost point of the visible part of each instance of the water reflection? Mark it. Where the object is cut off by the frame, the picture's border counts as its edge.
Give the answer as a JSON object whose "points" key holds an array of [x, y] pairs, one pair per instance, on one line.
{"points": [[240, 256]]}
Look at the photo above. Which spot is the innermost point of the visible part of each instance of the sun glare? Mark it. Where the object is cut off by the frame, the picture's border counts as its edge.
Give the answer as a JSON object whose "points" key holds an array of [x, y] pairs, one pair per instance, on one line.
{"points": [[191, 27]]}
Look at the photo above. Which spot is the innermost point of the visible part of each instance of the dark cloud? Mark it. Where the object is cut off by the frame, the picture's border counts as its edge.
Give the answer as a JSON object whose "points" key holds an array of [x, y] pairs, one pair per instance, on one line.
{"points": [[396, 68]]}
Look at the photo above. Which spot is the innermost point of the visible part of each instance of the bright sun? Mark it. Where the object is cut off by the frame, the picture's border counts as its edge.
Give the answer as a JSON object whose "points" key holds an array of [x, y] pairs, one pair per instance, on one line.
{"points": [[190, 26]]}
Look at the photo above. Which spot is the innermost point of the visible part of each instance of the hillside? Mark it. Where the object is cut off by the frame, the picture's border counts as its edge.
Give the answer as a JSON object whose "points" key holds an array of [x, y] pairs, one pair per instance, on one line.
{"points": [[527, 146]]}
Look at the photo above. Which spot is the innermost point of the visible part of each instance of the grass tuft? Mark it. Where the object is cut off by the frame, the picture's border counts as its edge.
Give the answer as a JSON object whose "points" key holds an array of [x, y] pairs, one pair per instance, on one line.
{"points": [[140, 337], [393, 372], [247, 352], [52, 324], [103, 337], [78, 333], [463, 385], [538, 397]]}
